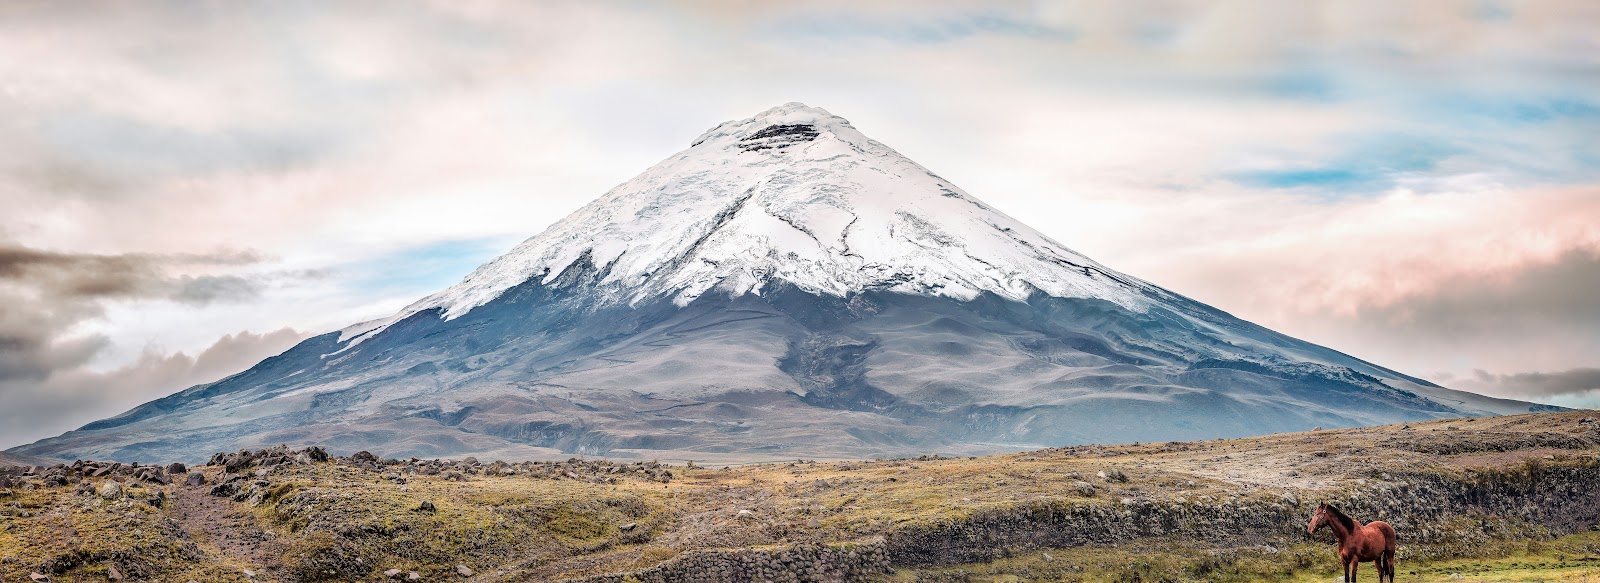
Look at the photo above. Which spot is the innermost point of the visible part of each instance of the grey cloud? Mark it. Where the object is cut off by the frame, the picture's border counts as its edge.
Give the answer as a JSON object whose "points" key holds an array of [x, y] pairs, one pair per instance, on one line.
{"points": [[210, 288], [61, 275], [1540, 384], [45, 294], [1560, 294], [1578, 387], [69, 398]]}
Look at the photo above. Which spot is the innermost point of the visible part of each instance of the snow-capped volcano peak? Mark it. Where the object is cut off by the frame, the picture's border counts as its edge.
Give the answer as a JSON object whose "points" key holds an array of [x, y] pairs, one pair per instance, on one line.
{"points": [[690, 312], [798, 195]]}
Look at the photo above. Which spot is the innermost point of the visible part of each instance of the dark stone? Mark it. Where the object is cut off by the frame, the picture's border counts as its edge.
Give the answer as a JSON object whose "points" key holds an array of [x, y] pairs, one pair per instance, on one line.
{"points": [[196, 479], [778, 136], [426, 506], [177, 468]]}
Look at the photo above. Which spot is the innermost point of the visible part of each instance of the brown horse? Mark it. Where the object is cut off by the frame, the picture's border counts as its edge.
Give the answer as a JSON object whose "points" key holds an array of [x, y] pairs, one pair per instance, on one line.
{"points": [[1357, 544]]}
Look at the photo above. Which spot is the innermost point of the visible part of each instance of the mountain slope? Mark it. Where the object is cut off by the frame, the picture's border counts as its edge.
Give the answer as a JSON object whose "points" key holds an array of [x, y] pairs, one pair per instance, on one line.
{"points": [[786, 287]]}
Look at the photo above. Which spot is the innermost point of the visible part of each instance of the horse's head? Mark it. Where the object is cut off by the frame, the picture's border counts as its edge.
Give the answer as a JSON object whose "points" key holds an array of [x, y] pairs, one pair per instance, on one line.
{"points": [[1318, 519]]}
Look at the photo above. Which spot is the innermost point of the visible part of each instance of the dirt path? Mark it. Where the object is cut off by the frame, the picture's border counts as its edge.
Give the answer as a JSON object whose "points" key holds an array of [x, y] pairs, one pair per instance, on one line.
{"points": [[217, 527]]}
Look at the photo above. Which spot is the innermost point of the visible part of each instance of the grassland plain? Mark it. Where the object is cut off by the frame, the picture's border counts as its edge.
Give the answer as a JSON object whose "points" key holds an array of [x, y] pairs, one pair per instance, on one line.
{"points": [[1489, 499]]}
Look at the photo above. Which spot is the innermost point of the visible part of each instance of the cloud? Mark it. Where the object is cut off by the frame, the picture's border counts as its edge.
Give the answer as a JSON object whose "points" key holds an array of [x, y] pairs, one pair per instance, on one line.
{"points": [[82, 276], [1579, 387], [44, 294], [1370, 164], [47, 377], [72, 396]]}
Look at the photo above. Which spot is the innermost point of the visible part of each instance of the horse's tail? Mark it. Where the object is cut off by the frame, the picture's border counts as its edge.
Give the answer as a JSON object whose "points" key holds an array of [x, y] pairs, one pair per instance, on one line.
{"points": [[1390, 541]]}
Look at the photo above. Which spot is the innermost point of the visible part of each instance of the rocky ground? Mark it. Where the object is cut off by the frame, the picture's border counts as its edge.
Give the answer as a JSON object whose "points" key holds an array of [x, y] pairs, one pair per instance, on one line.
{"points": [[1465, 494]]}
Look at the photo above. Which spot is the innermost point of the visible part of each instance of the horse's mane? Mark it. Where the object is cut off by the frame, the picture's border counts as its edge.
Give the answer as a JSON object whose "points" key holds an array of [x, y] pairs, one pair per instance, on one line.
{"points": [[1349, 523]]}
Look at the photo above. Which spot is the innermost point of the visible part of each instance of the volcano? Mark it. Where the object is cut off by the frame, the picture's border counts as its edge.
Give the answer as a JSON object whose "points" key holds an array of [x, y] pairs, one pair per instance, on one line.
{"points": [[786, 287]]}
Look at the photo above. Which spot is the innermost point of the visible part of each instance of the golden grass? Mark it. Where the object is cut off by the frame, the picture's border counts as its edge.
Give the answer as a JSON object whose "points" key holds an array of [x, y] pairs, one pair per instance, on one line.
{"points": [[335, 522]]}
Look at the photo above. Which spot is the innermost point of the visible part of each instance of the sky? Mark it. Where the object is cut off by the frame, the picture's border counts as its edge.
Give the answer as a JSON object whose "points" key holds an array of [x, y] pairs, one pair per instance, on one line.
{"points": [[190, 187]]}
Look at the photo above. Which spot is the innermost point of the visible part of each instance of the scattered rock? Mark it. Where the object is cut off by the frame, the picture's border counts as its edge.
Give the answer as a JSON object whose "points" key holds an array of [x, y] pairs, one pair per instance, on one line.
{"points": [[1083, 488], [463, 571], [196, 479], [393, 573], [426, 506], [1113, 475], [413, 576], [111, 490], [177, 468], [225, 489], [35, 576], [744, 513], [112, 573], [629, 526]]}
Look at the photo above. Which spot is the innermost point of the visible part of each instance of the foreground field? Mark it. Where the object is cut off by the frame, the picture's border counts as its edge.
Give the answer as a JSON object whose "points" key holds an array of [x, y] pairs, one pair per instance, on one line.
{"points": [[1499, 499]]}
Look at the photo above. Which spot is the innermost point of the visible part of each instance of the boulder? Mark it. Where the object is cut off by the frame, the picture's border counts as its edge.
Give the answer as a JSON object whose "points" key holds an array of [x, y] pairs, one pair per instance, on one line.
{"points": [[177, 468], [393, 573], [196, 479], [111, 490], [426, 506], [463, 571]]}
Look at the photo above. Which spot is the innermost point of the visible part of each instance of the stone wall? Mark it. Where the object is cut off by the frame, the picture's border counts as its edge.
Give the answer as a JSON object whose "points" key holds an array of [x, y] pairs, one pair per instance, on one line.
{"points": [[1436, 514]]}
